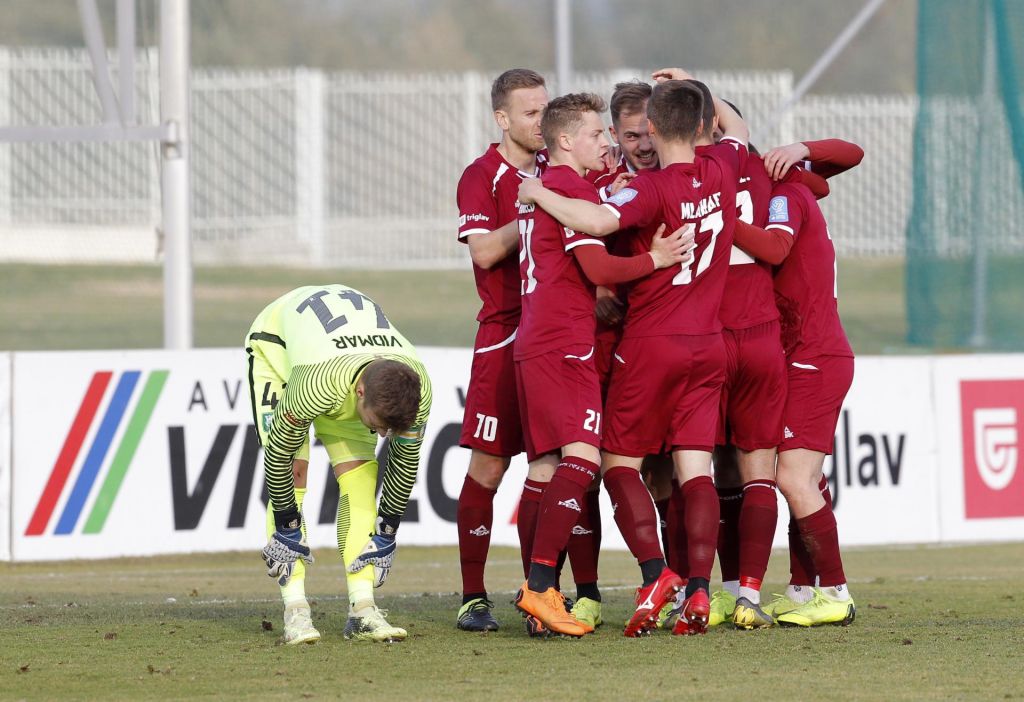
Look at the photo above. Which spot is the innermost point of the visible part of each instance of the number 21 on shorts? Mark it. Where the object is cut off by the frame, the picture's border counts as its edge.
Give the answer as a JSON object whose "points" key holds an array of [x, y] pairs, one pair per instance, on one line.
{"points": [[593, 421]]}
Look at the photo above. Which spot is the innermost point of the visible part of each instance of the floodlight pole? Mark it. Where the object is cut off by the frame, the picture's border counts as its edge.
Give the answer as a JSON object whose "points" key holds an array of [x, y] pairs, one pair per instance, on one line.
{"points": [[175, 173], [563, 47]]}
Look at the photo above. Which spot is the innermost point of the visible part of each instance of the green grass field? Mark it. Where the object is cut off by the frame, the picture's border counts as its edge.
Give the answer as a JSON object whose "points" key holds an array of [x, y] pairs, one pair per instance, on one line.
{"points": [[933, 623], [121, 307]]}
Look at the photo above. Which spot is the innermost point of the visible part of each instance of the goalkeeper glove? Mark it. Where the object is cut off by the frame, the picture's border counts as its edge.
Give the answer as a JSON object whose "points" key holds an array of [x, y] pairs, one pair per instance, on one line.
{"points": [[286, 546], [379, 552]]}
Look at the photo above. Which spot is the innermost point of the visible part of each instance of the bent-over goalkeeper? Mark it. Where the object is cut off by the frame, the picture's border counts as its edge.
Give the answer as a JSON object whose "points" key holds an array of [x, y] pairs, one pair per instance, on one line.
{"points": [[327, 356]]}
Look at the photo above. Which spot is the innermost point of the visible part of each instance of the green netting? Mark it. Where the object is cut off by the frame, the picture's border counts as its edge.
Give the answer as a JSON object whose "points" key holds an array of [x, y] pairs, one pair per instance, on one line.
{"points": [[965, 238]]}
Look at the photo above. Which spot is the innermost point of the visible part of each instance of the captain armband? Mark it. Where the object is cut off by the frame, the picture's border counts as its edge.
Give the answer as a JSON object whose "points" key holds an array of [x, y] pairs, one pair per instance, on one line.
{"points": [[411, 435]]}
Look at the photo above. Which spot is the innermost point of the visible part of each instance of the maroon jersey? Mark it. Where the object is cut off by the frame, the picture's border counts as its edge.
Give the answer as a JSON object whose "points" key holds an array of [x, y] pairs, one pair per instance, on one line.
{"points": [[558, 299], [683, 299], [748, 299], [805, 283], [487, 194], [603, 178]]}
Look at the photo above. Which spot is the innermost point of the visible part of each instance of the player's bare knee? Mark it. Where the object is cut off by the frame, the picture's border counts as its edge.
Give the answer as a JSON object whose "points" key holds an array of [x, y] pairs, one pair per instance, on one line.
{"points": [[487, 470]]}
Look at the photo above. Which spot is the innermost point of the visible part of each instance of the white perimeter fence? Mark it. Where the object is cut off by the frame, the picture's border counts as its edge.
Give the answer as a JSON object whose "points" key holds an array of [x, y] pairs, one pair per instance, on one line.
{"points": [[347, 169]]}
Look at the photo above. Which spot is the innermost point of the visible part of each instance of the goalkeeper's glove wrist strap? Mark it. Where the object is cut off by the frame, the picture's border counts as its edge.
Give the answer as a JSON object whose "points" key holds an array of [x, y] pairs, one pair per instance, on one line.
{"points": [[387, 524], [288, 519]]}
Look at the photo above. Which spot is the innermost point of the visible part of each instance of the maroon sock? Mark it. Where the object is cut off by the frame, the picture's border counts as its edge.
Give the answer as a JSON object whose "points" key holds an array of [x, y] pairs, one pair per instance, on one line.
{"points": [[475, 518], [678, 559], [821, 537], [730, 503], [758, 518], [583, 551], [526, 522], [634, 512], [561, 508], [662, 507], [801, 567], [701, 525]]}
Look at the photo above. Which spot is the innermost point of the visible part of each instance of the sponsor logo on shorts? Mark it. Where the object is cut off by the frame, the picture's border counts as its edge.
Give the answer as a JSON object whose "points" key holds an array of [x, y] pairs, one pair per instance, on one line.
{"points": [[571, 503], [778, 209], [581, 531], [480, 531], [266, 419], [623, 196], [789, 433], [992, 419]]}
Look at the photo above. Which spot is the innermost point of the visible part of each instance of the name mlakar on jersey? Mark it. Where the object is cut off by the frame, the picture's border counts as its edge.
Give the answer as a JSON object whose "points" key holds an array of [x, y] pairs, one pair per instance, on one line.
{"points": [[706, 206], [347, 342]]}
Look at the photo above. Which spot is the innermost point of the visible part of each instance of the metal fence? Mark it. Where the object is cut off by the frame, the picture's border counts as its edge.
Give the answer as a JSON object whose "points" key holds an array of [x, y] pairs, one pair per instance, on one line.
{"points": [[345, 169]]}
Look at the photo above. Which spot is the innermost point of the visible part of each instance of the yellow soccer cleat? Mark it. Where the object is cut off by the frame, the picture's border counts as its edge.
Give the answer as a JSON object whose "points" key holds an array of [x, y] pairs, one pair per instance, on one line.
{"points": [[779, 605], [370, 624], [820, 610], [723, 603], [588, 611], [748, 615]]}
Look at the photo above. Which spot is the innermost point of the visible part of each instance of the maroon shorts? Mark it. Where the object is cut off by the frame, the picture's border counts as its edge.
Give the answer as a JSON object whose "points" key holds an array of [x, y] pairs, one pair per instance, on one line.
{"points": [[754, 394], [817, 388], [491, 419], [559, 399], [664, 394]]}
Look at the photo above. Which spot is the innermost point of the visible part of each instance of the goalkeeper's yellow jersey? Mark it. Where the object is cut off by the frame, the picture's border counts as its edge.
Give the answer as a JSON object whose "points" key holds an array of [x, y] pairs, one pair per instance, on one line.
{"points": [[324, 336]]}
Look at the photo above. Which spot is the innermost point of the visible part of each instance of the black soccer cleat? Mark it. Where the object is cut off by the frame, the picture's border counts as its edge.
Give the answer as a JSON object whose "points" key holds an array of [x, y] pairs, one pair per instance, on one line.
{"points": [[476, 615]]}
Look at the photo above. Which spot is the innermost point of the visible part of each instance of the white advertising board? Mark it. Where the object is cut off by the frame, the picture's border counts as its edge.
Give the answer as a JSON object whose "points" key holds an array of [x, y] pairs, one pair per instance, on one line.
{"points": [[6, 463], [882, 472], [146, 452], [979, 404]]}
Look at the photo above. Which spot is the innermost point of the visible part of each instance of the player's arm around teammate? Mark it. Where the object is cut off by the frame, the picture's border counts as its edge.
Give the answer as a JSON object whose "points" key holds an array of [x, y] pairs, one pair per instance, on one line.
{"points": [[556, 376], [487, 223], [327, 357]]}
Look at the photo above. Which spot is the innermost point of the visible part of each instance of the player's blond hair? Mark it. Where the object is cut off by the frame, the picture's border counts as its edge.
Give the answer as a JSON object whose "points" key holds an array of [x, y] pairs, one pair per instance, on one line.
{"points": [[510, 80], [565, 114]]}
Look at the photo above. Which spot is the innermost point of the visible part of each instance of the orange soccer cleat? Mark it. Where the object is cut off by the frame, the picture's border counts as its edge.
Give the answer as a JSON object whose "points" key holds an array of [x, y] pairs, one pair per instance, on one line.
{"points": [[549, 608]]}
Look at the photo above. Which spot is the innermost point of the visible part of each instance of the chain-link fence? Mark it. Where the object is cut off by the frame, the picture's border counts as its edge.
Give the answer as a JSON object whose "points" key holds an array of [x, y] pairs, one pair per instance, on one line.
{"points": [[350, 169]]}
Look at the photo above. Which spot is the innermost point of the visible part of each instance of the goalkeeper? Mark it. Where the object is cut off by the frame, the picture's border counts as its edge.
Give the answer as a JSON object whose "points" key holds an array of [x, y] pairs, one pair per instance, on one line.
{"points": [[327, 356]]}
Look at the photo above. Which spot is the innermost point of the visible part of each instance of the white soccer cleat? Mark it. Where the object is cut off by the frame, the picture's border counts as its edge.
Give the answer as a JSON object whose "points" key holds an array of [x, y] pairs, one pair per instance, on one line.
{"points": [[371, 625], [298, 626]]}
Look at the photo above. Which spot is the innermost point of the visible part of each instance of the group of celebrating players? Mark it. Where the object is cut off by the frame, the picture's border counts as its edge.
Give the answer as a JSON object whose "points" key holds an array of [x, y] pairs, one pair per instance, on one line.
{"points": [[661, 318], [645, 310]]}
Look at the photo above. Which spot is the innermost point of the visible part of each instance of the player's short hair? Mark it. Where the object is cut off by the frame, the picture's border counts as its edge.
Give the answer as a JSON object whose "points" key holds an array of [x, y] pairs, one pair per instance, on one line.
{"points": [[708, 115], [392, 393], [513, 79], [565, 114], [676, 109], [629, 98]]}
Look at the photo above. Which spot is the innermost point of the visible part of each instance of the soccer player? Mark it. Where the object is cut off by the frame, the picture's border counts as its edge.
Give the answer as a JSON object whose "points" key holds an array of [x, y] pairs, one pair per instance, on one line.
{"points": [[820, 371], [628, 108], [559, 389], [327, 356], [672, 354], [491, 425], [754, 394]]}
